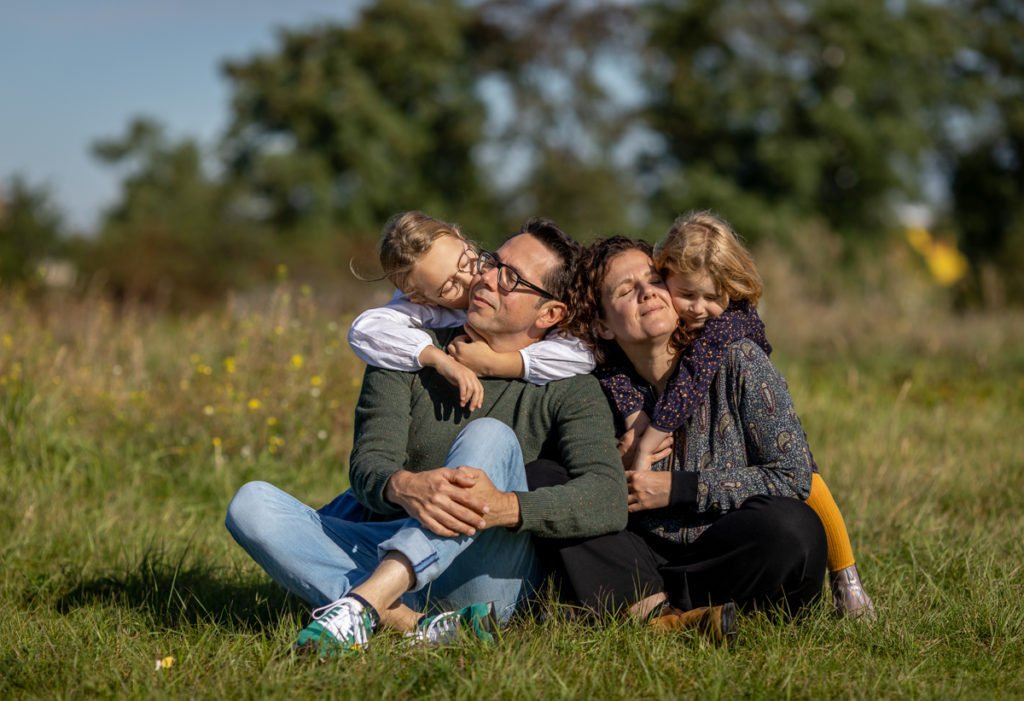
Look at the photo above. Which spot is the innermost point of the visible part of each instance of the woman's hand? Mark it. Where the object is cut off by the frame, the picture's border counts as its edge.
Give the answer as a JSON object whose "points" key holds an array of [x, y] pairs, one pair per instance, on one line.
{"points": [[471, 392], [648, 489]]}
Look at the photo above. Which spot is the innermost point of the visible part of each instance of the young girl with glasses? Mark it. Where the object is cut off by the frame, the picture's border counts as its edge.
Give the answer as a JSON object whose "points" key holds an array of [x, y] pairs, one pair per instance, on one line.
{"points": [[431, 263]]}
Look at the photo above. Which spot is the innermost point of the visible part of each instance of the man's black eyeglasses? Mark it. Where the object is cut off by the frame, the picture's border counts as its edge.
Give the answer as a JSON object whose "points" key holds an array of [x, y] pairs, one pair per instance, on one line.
{"points": [[508, 277]]}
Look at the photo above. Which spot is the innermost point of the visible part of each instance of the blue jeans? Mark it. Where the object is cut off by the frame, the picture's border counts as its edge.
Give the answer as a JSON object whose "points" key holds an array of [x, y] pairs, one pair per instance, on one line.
{"points": [[321, 555]]}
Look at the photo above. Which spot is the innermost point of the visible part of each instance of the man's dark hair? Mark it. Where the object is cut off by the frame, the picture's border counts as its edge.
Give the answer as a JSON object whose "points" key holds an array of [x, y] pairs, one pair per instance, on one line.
{"points": [[558, 280]]}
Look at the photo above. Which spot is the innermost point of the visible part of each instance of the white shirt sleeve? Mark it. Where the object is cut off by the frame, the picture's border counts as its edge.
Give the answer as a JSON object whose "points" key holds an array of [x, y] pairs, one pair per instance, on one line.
{"points": [[556, 357], [392, 336]]}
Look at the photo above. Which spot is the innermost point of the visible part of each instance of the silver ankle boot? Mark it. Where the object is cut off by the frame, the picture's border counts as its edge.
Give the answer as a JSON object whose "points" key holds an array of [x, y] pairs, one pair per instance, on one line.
{"points": [[848, 594]]}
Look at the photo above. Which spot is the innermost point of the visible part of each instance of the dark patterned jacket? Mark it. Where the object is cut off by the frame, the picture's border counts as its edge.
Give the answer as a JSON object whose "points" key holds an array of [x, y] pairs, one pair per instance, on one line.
{"points": [[743, 439], [697, 367]]}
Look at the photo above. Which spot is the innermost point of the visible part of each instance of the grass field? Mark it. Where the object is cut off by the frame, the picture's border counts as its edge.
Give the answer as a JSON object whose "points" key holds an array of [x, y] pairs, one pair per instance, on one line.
{"points": [[123, 436]]}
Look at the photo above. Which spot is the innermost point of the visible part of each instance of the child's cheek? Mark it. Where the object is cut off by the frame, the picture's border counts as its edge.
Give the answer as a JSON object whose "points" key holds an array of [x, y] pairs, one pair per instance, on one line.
{"points": [[679, 304]]}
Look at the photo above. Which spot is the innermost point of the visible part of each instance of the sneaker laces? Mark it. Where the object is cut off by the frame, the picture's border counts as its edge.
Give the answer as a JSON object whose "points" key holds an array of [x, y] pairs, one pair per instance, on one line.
{"points": [[344, 620], [443, 628]]}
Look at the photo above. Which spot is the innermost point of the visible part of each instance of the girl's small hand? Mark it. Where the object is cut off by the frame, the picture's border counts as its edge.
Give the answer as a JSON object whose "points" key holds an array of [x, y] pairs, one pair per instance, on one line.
{"points": [[636, 423], [471, 392], [648, 489], [654, 445], [477, 355]]}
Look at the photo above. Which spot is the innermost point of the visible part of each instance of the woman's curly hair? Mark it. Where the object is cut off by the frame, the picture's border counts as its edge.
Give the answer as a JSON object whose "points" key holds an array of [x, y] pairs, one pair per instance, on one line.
{"points": [[585, 303]]}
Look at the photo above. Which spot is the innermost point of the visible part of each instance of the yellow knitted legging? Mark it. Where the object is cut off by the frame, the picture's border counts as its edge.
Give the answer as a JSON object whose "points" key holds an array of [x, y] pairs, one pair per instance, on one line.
{"points": [[840, 551]]}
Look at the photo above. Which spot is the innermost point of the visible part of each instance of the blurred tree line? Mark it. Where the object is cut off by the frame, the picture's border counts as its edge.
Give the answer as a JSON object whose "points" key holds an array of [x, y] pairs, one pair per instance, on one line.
{"points": [[605, 116]]}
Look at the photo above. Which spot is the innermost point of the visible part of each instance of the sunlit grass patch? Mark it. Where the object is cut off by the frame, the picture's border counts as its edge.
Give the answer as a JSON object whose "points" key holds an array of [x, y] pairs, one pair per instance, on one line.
{"points": [[124, 434]]}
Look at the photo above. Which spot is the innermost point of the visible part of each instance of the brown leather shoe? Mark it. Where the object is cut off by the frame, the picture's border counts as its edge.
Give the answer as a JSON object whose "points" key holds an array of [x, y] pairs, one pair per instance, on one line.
{"points": [[716, 622]]}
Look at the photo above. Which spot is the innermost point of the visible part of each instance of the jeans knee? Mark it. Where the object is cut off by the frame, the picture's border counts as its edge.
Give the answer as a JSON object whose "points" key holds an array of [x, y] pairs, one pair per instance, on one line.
{"points": [[247, 510], [488, 431], [491, 437], [492, 446]]}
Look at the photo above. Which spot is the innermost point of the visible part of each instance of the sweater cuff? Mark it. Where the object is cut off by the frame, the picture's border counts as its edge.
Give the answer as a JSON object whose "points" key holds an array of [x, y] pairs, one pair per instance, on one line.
{"points": [[375, 500], [531, 512], [683, 491]]}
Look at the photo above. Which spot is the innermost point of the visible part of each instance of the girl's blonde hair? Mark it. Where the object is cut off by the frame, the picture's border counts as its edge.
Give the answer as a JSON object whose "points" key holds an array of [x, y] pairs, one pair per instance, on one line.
{"points": [[700, 241], [405, 238]]}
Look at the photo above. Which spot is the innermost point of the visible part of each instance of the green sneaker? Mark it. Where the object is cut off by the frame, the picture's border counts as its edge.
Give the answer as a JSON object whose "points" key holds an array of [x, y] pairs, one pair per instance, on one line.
{"points": [[339, 628], [478, 620]]}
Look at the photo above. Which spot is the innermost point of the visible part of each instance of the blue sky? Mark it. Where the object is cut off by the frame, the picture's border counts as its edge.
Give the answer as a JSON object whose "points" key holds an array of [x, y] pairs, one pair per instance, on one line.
{"points": [[73, 71]]}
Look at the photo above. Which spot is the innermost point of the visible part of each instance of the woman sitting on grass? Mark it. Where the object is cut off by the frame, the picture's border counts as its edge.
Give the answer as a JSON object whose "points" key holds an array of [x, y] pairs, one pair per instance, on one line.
{"points": [[715, 288], [719, 520]]}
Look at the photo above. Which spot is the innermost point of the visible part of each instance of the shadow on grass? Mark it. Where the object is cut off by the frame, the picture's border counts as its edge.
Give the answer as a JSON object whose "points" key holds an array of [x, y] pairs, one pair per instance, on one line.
{"points": [[178, 592]]}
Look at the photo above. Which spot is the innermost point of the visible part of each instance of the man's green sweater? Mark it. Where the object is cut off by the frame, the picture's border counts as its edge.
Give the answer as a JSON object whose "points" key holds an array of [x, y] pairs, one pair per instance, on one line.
{"points": [[408, 421]]}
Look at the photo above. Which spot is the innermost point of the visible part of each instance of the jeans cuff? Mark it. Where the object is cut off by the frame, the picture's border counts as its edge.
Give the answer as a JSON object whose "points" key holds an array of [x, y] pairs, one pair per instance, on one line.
{"points": [[417, 548]]}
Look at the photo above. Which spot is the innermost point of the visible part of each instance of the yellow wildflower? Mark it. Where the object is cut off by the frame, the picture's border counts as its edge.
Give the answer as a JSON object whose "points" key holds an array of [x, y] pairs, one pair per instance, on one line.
{"points": [[216, 442], [946, 263], [8, 341], [296, 361], [315, 381], [271, 421], [194, 358], [229, 364], [208, 410], [164, 663], [255, 403], [274, 442]]}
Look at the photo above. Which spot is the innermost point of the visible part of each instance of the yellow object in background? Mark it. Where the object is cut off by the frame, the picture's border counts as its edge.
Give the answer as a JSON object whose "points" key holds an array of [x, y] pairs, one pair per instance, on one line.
{"points": [[945, 262]]}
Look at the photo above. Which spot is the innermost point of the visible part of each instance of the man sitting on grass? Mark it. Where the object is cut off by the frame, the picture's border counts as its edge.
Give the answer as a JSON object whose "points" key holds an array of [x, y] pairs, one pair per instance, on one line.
{"points": [[439, 514]]}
